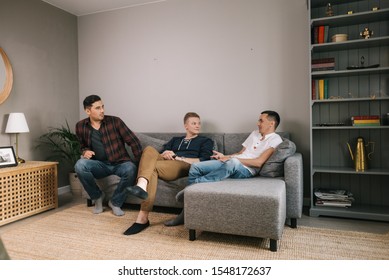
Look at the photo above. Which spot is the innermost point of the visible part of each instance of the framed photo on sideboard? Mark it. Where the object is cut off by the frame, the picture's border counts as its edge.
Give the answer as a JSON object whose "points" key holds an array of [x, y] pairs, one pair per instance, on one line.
{"points": [[7, 157]]}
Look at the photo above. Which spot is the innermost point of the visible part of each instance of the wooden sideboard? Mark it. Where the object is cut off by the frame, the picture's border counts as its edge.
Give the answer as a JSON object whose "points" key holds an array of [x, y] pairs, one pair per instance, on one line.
{"points": [[27, 189]]}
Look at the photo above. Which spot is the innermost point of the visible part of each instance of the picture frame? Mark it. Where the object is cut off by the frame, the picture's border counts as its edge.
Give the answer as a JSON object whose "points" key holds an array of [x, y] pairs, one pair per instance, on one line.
{"points": [[7, 157]]}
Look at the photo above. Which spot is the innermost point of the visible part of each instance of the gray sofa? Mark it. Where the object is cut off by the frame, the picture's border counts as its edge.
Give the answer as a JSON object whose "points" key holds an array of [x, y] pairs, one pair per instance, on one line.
{"points": [[285, 191]]}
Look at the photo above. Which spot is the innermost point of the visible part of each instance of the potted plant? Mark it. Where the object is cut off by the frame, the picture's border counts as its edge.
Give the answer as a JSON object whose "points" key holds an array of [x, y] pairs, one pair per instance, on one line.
{"points": [[61, 145]]}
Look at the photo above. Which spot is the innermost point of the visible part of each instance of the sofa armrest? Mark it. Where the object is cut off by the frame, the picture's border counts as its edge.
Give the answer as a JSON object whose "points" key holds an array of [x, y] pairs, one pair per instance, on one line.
{"points": [[293, 174]]}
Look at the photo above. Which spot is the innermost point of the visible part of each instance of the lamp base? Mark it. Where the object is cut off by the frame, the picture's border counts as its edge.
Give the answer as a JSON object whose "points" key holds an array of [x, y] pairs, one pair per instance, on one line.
{"points": [[20, 160]]}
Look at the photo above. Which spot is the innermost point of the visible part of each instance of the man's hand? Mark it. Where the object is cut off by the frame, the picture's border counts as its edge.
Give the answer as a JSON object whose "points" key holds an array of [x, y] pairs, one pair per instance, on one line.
{"points": [[217, 155], [88, 154], [169, 155]]}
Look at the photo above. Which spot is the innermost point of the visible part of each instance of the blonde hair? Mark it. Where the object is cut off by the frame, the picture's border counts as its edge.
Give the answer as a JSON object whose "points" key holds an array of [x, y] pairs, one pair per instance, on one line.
{"points": [[190, 115]]}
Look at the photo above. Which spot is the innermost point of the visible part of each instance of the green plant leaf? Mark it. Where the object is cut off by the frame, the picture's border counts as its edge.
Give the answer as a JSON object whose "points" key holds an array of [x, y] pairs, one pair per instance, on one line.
{"points": [[61, 143]]}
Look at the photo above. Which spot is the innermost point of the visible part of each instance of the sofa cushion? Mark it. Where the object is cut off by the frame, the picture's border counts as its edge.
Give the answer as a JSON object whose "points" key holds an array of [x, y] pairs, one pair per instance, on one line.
{"points": [[147, 140], [274, 166]]}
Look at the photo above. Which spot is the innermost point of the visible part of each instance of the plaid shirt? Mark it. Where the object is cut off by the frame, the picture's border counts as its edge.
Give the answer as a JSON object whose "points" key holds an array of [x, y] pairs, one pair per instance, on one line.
{"points": [[115, 134]]}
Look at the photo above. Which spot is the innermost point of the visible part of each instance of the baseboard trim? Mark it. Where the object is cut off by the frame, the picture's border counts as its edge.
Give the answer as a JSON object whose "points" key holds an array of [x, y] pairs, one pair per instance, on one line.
{"points": [[64, 189]]}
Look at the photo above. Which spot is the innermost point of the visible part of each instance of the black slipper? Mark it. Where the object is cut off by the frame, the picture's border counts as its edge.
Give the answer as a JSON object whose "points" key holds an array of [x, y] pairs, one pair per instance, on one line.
{"points": [[137, 191], [136, 228]]}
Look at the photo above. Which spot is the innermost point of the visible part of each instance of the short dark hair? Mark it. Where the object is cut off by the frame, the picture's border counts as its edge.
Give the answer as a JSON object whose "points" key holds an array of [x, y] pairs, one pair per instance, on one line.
{"points": [[89, 100], [274, 116], [190, 115]]}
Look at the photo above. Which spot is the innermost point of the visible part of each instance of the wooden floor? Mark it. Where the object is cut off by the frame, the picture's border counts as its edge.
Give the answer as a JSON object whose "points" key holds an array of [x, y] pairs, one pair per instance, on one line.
{"points": [[66, 200]]}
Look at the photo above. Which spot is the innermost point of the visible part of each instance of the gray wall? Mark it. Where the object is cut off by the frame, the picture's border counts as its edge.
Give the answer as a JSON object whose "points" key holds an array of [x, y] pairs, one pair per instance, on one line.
{"points": [[41, 43], [226, 59]]}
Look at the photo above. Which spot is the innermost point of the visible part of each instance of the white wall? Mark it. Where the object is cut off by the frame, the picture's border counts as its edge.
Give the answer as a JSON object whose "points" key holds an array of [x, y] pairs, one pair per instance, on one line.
{"points": [[226, 59]]}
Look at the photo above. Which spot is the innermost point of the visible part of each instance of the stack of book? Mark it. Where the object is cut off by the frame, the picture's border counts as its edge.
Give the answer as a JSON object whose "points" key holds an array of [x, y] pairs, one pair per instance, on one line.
{"points": [[372, 120], [323, 64], [320, 34], [335, 198], [319, 89]]}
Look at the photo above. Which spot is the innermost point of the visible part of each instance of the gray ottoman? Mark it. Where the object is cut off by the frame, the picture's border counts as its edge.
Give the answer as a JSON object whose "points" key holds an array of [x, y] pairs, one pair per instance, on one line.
{"points": [[250, 207]]}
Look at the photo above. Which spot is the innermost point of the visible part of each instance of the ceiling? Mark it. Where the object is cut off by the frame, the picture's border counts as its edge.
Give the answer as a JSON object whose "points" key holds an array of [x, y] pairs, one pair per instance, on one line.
{"points": [[86, 7]]}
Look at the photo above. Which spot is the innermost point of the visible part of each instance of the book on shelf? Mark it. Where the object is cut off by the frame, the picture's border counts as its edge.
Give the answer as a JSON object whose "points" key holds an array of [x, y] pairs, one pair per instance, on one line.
{"points": [[333, 203], [314, 35], [314, 89], [366, 121], [366, 117], [326, 89], [321, 64], [331, 193], [372, 120], [366, 124], [320, 89], [333, 197], [320, 34], [320, 39], [323, 69], [323, 60], [326, 33]]}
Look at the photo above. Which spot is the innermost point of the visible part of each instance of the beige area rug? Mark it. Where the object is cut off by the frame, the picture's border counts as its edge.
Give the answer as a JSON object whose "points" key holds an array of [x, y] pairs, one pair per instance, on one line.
{"points": [[77, 234]]}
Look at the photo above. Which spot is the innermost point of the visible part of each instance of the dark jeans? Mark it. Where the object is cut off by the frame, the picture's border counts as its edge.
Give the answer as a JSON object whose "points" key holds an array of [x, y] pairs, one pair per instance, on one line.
{"points": [[88, 170]]}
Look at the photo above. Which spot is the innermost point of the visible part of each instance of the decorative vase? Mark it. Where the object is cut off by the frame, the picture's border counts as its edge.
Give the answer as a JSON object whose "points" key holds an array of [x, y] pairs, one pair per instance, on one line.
{"points": [[75, 184]]}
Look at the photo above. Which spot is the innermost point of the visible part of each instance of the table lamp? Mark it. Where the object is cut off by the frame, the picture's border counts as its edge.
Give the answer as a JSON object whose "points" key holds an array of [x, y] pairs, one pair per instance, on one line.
{"points": [[17, 124]]}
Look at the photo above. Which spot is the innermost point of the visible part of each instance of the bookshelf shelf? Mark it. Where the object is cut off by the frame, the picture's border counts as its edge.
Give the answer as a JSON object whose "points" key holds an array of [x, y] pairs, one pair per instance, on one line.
{"points": [[337, 100], [366, 212], [349, 127], [349, 170], [345, 73], [322, 3], [347, 93], [351, 44], [353, 19]]}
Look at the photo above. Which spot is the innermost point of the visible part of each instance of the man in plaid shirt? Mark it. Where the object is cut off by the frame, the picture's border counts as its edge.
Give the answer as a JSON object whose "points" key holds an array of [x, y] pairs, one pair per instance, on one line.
{"points": [[103, 142]]}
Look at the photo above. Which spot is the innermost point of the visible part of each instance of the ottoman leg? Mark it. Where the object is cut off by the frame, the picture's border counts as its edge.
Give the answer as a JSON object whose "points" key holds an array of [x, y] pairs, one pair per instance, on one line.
{"points": [[192, 234], [89, 202], [293, 223], [273, 245]]}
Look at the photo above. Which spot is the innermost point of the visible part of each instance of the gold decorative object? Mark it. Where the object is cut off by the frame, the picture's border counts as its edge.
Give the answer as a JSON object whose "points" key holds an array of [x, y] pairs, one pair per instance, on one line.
{"points": [[359, 157], [350, 12], [329, 10], [375, 8], [366, 33]]}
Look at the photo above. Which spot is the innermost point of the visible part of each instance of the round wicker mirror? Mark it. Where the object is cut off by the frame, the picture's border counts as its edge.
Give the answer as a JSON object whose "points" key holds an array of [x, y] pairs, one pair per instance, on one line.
{"points": [[6, 81]]}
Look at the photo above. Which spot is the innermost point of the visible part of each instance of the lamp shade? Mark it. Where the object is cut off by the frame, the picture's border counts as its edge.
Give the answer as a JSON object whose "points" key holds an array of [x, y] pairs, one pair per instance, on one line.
{"points": [[16, 123]]}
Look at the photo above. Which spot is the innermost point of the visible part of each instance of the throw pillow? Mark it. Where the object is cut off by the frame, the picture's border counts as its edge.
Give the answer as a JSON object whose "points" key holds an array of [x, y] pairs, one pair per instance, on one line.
{"points": [[274, 166], [146, 140]]}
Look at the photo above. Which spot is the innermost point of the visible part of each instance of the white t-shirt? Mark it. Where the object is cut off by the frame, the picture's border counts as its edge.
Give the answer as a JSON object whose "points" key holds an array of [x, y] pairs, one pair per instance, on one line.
{"points": [[255, 147]]}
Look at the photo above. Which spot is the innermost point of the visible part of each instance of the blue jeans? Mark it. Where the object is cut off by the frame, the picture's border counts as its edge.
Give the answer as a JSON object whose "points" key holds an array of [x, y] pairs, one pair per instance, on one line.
{"points": [[216, 170], [88, 170]]}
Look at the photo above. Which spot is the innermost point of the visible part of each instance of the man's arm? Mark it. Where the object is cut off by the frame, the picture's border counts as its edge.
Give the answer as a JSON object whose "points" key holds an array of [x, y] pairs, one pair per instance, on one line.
{"points": [[129, 138], [259, 161], [82, 135], [220, 156], [205, 153]]}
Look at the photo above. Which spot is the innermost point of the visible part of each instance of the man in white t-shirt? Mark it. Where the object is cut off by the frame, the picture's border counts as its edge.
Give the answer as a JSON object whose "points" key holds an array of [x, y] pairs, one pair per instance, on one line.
{"points": [[257, 149]]}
